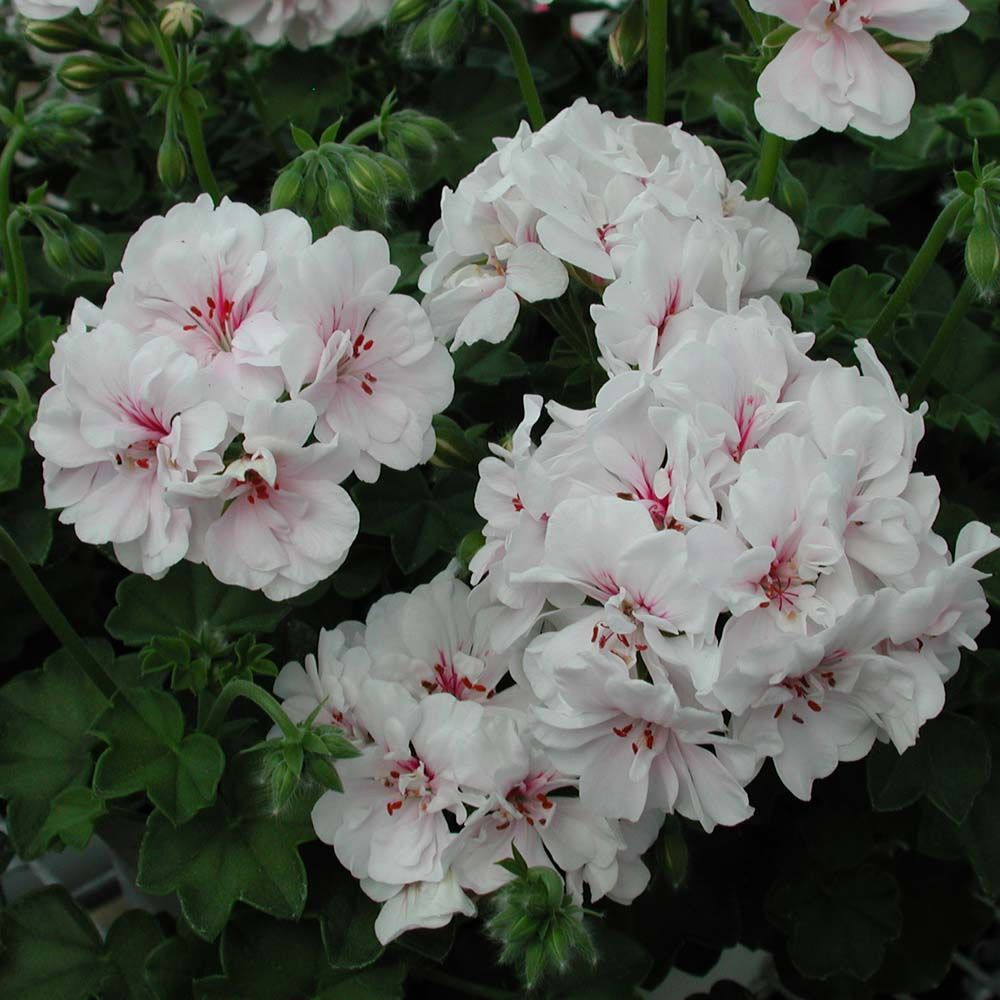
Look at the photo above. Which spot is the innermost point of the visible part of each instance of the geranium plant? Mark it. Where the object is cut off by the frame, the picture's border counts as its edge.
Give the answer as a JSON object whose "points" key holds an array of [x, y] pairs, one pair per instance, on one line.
{"points": [[498, 499]]}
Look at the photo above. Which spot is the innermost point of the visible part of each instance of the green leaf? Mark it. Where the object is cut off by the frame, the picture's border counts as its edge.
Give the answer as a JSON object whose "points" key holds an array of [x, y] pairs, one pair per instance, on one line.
{"points": [[149, 752], [171, 967], [45, 742], [379, 982], [188, 599], [265, 959], [836, 922], [131, 939], [72, 816], [952, 411], [347, 923], [218, 859], [978, 836], [489, 364], [11, 455], [303, 139], [51, 950], [949, 764], [428, 522], [857, 297], [111, 183]]}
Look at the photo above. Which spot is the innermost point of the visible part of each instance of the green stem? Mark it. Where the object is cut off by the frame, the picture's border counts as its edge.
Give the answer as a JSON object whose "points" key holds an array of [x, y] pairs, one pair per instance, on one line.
{"points": [[942, 340], [49, 612], [750, 22], [656, 61], [771, 147], [521, 66], [17, 273], [15, 139], [464, 986], [191, 119], [362, 132], [918, 268], [246, 689]]}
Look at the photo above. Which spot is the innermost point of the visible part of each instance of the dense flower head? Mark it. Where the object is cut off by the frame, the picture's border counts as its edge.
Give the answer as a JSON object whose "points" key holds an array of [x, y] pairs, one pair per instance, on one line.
{"points": [[588, 192], [727, 559], [168, 431]]}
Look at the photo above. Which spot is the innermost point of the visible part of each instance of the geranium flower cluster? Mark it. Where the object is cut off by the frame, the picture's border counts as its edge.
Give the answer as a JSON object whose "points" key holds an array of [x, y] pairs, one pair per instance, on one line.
{"points": [[642, 210], [727, 559], [236, 373]]}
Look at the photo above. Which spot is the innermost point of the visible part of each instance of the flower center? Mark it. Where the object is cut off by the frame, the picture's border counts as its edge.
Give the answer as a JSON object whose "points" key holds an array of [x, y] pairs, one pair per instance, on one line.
{"points": [[411, 779], [218, 318]]}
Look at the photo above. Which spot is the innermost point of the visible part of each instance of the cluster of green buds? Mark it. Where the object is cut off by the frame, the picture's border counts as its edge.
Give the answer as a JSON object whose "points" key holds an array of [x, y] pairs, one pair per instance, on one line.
{"points": [[539, 929], [433, 30], [195, 663], [337, 183], [65, 244], [308, 752], [51, 129], [981, 186]]}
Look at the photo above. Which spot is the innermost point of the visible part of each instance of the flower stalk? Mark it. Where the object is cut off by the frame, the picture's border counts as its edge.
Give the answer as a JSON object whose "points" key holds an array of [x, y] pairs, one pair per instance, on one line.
{"points": [[266, 703], [13, 144], [17, 273], [656, 61], [942, 339], [522, 67], [771, 148], [193, 132], [926, 256]]}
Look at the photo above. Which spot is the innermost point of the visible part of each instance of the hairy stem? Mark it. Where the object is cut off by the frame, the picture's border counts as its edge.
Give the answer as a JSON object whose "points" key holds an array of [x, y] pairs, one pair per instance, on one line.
{"points": [[17, 273], [750, 22], [521, 66], [771, 147], [363, 131], [656, 61], [918, 268], [50, 613], [942, 340]]}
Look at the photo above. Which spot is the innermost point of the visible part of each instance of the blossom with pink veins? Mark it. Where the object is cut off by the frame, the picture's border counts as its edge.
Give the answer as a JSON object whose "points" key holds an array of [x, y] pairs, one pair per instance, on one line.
{"points": [[125, 420], [364, 358], [813, 701], [832, 74], [432, 641], [765, 556], [520, 811], [286, 525], [207, 277], [632, 742], [677, 267], [389, 823], [609, 550]]}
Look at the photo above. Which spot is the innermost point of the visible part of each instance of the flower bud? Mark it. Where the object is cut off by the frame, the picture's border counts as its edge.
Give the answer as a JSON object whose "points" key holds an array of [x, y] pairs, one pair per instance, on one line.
{"points": [[469, 546], [339, 201], [86, 247], [55, 250], [397, 177], [405, 11], [171, 163], [135, 32], [83, 74], [416, 45], [908, 54], [537, 925], [413, 138], [628, 37], [57, 37], [181, 21], [367, 182], [792, 196], [982, 255], [67, 115], [447, 31], [730, 117], [287, 187]]}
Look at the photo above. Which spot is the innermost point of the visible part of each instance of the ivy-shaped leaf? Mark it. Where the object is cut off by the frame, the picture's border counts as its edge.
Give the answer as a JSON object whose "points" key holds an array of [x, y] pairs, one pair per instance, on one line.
{"points": [[45, 743], [148, 751], [218, 859], [949, 764], [72, 816], [51, 950], [189, 599], [836, 922], [347, 922]]}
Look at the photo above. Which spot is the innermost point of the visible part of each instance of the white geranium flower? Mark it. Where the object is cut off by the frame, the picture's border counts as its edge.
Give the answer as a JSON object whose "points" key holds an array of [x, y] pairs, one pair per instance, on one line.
{"points": [[831, 73], [125, 421], [364, 358], [207, 277], [300, 23]]}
